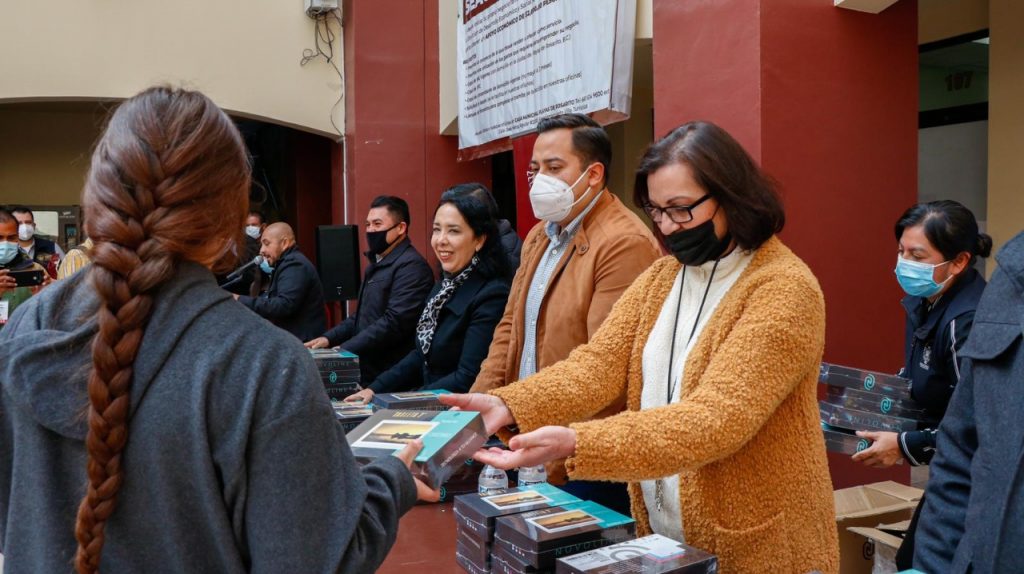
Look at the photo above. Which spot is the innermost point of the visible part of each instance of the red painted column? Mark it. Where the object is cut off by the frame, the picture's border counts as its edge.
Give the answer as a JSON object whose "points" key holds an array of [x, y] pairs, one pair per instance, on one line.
{"points": [[392, 140], [522, 151], [826, 100]]}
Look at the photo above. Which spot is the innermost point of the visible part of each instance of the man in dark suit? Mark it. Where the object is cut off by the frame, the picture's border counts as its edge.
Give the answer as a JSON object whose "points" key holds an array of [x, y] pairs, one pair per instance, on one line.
{"points": [[295, 299], [392, 295], [973, 514]]}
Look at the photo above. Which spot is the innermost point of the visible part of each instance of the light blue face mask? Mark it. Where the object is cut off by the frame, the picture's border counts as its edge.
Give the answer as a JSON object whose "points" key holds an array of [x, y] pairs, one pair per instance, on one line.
{"points": [[266, 267], [8, 251], [918, 279]]}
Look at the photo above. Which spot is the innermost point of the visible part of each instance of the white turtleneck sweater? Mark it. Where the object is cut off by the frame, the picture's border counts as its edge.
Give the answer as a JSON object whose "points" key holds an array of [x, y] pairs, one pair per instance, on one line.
{"points": [[657, 354]]}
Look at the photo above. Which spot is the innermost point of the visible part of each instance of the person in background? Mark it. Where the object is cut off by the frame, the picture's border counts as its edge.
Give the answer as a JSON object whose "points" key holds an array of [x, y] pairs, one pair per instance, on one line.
{"points": [[510, 241], [455, 328], [12, 258], [938, 243], [717, 349], [394, 290], [75, 260], [150, 423], [294, 301], [43, 251], [576, 263], [242, 285]]}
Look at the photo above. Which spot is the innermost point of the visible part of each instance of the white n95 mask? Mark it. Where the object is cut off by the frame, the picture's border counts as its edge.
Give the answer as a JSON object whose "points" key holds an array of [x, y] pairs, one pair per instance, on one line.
{"points": [[552, 199]]}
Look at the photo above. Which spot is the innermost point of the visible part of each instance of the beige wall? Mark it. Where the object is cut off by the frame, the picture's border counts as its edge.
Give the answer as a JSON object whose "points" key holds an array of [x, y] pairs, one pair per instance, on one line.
{"points": [[631, 137], [1006, 121], [243, 53], [940, 19], [45, 150]]}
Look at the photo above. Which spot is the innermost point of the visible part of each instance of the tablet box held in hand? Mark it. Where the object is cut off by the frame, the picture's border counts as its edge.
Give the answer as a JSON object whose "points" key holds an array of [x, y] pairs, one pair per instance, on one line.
{"points": [[412, 400], [351, 415], [449, 438], [539, 537], [842, 441], [852, 419], [896, 387], [654, 554], [476, 514]]}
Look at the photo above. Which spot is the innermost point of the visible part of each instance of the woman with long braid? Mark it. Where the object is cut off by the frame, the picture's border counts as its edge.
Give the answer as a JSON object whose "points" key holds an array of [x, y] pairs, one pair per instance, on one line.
{"points": [[150, 423]]}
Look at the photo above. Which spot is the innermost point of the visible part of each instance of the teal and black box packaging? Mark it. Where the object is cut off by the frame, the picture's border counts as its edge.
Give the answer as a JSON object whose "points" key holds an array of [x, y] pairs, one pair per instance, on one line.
{"points": [[540, 537], [476, 514], [654, 554], [449, 438], [412, 400], [339, 372]]}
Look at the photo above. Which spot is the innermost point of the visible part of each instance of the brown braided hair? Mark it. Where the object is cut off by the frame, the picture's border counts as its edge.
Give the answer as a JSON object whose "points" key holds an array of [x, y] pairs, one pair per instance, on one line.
{"points": [[169, 182]]}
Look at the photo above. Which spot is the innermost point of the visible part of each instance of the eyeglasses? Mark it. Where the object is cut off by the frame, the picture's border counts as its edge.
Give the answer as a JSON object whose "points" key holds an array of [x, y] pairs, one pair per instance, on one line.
{"points": [[677, 213]]}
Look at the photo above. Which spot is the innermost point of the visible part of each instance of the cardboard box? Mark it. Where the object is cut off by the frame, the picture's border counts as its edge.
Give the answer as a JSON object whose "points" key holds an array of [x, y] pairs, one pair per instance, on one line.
{"points": [[412, 400], [874, 402], [449, 438], [852, 419], [886, 540], [654, 554], [843, 441], [868, 506], [477, 514], [351, 415], [896, 387], [540, 537]]}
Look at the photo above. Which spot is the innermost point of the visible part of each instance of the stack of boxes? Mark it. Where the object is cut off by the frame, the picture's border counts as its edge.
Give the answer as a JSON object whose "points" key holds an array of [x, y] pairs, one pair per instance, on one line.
{"points": [[339, 372], [858, 400], [526, 529], [654, 554]]}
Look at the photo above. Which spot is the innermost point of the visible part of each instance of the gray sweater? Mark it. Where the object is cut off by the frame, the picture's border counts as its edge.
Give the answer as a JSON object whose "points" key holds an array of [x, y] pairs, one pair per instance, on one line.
{"points": [[234, 459]]}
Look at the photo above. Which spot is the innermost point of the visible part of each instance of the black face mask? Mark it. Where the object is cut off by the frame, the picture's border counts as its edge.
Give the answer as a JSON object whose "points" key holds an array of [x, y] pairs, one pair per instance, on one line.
{"points": [[697, 245], [377, 241]]}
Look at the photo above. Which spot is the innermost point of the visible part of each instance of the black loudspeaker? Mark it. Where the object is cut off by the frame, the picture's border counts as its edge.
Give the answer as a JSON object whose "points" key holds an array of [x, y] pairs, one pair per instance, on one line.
{"points": [[337, 261]]}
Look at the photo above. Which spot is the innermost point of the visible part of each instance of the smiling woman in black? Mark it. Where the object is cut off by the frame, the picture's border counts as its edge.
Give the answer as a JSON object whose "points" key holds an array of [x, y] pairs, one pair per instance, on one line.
{"points": [[455, 329]]}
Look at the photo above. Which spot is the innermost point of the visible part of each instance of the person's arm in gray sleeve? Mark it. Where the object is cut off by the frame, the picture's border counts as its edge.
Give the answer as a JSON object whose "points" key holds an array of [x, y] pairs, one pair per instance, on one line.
{"points": [[309, 507]]}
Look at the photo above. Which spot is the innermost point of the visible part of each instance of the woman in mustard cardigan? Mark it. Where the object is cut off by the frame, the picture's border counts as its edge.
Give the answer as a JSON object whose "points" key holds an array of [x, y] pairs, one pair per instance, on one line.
{"points": [[716, 350]]}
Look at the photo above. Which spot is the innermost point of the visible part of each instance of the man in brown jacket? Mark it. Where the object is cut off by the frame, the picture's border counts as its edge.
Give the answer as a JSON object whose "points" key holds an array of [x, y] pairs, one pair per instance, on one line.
{"points": [[586, 250]]}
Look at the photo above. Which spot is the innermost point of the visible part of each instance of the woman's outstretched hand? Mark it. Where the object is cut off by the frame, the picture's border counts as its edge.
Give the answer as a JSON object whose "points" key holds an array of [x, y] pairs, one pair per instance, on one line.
{"points": [[538, 447], [496, 415]]}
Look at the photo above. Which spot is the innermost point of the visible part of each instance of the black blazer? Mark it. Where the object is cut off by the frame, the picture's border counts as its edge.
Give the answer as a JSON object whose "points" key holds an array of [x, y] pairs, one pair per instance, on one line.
{"points": [[465, 326], [295, 299], [391, 298], [972, 518]]}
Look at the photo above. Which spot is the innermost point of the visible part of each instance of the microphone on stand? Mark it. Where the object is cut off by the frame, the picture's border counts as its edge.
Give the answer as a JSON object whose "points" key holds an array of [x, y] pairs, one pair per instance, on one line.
{"points": [[238, 272]]}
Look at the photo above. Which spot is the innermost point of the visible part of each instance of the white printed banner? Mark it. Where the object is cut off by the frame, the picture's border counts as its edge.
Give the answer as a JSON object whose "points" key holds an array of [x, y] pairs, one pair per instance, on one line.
{"points": [[522, 60]]}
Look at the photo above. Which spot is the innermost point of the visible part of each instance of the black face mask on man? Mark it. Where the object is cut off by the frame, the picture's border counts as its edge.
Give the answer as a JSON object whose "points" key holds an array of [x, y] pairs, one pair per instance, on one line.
{"points": [[377, 241], [697, 245]]}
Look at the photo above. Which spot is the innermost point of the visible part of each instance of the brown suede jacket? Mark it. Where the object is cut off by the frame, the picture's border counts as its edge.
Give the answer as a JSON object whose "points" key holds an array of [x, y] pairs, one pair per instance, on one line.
{"points": [[611, 249], [744, 438]]}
